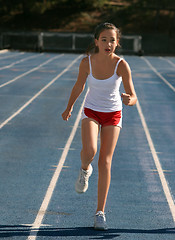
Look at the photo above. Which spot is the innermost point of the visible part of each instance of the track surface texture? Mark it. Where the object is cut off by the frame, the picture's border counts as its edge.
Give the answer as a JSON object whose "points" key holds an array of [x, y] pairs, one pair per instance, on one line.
{"points": [[40, 153]]}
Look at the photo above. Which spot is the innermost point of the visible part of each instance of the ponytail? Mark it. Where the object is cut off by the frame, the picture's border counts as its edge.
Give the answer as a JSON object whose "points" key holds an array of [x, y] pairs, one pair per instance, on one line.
{"points": [[92, 48]]}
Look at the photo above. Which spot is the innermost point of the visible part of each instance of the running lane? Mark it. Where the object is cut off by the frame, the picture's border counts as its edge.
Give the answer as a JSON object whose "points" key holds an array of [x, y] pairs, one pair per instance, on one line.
{"points": [[29, 145]]}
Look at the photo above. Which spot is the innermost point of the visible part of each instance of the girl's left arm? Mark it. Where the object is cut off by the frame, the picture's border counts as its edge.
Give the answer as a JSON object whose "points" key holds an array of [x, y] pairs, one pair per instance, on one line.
{"points": [[77, 88], [129, 97]]}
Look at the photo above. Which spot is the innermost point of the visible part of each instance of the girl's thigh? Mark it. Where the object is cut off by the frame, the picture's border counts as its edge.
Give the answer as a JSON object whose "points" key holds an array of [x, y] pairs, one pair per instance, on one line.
{"points": [[89, 133], [109, 137]]}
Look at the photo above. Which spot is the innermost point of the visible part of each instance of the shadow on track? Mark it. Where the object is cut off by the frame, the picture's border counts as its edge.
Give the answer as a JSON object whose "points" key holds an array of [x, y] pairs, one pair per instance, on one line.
{"points": [[20, 230]]}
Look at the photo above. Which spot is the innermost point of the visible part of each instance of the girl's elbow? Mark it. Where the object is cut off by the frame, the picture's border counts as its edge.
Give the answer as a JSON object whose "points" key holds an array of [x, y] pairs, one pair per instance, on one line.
{"points": [[81, 89]]}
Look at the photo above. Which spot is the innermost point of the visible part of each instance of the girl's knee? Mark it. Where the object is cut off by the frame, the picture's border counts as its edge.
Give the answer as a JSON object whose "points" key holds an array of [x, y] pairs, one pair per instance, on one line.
{"points": [[105, 163], [89, 152]]}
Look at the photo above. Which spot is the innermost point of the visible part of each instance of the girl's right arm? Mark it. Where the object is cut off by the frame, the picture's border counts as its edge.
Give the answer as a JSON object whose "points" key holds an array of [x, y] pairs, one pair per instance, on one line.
{"points": [[77, 88]]}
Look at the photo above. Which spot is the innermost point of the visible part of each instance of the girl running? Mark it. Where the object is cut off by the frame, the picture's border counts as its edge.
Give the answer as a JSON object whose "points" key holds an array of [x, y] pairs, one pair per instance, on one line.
{"points": [[104, 71]]}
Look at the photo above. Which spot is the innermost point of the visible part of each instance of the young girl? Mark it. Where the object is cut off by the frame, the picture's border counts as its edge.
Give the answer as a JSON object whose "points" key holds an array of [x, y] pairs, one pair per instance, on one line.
{"points": [[104, 71]]}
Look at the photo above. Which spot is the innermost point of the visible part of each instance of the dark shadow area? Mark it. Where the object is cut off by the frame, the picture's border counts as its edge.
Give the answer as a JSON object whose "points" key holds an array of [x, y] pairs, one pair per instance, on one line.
{"points": [[20, 230]]}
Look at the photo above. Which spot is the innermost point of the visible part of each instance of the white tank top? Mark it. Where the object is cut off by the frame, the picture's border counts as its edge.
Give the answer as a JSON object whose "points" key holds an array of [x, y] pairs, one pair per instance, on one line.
{"points": [[104, 95]]}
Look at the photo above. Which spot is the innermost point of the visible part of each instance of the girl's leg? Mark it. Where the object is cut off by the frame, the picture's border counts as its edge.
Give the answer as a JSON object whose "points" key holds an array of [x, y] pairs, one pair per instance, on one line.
{"points": [[89, 142], [109, 137], [89, 132]]}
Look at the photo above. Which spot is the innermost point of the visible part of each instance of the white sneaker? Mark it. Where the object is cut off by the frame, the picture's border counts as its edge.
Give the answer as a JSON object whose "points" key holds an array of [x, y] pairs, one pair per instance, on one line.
{"points": [[81, 185], [100, 221]]}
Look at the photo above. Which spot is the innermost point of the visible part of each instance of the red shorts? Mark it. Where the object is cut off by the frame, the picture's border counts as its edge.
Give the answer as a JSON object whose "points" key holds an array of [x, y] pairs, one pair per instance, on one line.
{"points": [[104, 118]]}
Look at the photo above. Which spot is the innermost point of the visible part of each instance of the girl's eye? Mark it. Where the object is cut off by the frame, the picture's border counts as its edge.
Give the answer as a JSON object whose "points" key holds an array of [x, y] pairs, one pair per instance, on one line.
{"points": [[103, 40]]}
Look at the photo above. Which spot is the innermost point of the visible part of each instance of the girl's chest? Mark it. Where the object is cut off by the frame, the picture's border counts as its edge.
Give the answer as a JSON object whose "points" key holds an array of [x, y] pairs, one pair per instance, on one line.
{"points": [[107, 85], [102, 72]]}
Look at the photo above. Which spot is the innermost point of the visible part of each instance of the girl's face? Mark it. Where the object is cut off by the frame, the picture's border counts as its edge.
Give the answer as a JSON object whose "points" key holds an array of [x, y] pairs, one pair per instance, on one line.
{"points": [[107, 41]]}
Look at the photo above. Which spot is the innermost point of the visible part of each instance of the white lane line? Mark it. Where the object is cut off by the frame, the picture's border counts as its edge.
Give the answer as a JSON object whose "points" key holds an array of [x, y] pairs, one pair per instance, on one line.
{"points": [[22, 60], [158, 74], [37, 94], [30, 71], [160, 171], [41, 213], [169, 61]]}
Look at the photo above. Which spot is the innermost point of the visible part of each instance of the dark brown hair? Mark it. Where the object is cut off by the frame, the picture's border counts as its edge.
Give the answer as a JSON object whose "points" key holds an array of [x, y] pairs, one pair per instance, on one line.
{"points": [[98, 30]]}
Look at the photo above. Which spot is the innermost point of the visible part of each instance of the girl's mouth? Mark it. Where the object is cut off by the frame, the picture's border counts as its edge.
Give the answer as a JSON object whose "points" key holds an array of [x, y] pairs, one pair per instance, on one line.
{"points": [[107, 50]]}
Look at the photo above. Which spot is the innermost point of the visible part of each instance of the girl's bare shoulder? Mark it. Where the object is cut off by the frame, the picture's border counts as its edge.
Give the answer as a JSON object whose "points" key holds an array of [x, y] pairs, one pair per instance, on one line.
{"points": [[84, 65], [123, 67]]}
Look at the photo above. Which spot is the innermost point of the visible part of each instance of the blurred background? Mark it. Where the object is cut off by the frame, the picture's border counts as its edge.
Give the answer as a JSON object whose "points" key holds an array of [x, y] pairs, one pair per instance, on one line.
{"points": [[35, 24]]}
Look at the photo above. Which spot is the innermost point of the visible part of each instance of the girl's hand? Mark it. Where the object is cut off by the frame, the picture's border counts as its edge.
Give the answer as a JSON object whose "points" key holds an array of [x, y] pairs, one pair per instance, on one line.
{"points": [[126, 98], [66, 114]]}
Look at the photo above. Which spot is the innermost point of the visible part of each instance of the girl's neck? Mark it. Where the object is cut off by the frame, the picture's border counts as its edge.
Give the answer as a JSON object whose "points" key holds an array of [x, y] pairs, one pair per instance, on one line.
{"points": [[104, 58]]}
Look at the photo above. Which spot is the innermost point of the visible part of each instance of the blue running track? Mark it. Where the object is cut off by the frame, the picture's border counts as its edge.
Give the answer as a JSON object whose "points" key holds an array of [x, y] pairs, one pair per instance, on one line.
{"points": [[40, 153]]}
